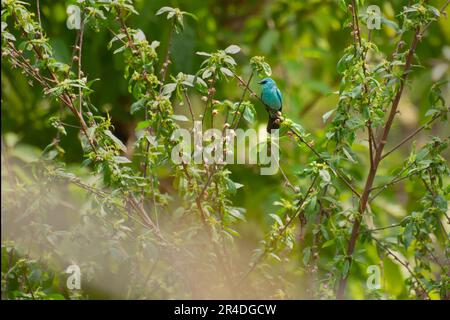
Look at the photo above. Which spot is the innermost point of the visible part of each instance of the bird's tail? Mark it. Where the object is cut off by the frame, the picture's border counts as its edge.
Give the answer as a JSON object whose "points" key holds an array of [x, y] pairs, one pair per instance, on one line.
{"points": [[273, 122]]}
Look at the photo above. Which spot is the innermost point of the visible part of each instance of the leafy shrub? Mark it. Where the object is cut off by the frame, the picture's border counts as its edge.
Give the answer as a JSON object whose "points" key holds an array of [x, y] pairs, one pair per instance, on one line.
{"points": [[141, 226]]}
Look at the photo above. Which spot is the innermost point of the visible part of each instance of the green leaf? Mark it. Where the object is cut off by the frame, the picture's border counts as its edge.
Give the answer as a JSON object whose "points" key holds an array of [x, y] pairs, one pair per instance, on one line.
{"points": [[306, 255], [312, 204], [201, 53], [116, 140], [138, 105], [343, 62], [231, 185], [390, 23], [408, 235], [249, 113], [168, 89], [238, 185], [179, 117], [277, 219], [232, 232], [237, 214], [328, 243], [431, 112], [346, 268], [207, 73], [143, 124], [441, 203], [348, 155], [120, 159], [233, 49], [120, 49], [164, 9], [273, 255], [327, 115], [226, 71], [325, 175]]}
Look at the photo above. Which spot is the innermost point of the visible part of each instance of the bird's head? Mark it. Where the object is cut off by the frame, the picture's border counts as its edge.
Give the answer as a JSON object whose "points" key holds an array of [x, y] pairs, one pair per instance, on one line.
{"points": [[267, 83]]}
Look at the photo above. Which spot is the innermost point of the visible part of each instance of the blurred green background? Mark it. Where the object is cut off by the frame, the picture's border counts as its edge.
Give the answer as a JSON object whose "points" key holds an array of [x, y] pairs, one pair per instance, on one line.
{"points": [[301, 40]]}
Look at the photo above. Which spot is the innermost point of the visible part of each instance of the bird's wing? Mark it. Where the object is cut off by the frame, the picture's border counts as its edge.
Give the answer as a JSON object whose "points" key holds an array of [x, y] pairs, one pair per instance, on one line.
{"points": [[279, 98], [263, 100]]}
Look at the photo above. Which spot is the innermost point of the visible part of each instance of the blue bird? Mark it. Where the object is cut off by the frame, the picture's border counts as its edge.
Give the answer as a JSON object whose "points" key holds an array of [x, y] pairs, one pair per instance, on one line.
{"points": [[271, 97]]}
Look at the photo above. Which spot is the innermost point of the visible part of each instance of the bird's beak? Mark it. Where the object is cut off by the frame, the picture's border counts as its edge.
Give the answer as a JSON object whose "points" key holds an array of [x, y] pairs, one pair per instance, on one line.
{"points": [[260, 82]]}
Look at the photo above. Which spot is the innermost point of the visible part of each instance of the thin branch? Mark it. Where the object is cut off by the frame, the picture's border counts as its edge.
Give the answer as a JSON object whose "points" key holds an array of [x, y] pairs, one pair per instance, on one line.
{"points": [[104, 195], [288, 183], [335, 171], [167, 61], [198, 199], [384, 187], [188, 101], [282, 230], [208, 102], [404, 264], [372, 144], [200, 196], [27, 281], [411, 135], [383, 228], [80, 72], [238, 112], [253, 94], [38, 11], [393, 181]]}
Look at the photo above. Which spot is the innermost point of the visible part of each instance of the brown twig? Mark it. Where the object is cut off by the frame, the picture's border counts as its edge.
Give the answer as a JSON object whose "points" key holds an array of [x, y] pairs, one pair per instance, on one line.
{"points": [[80, 72], [239, 113], [282, 230], [404, 264], [166, 62], [38, 11], [411, 135], [188, 101], [336, 172]]}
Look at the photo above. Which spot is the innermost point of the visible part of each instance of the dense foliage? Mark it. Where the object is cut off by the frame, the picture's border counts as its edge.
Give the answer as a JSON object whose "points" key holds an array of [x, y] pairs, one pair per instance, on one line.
{"points": [[93, 92]]}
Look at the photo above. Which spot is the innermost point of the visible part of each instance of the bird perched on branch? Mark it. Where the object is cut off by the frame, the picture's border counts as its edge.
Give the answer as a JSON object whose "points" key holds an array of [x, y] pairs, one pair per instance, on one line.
{"points": [[271, 97]]}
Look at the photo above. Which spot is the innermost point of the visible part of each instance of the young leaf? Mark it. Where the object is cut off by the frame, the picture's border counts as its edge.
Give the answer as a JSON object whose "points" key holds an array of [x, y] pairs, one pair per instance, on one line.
{"points": [[138, 105], [233, 49]]}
